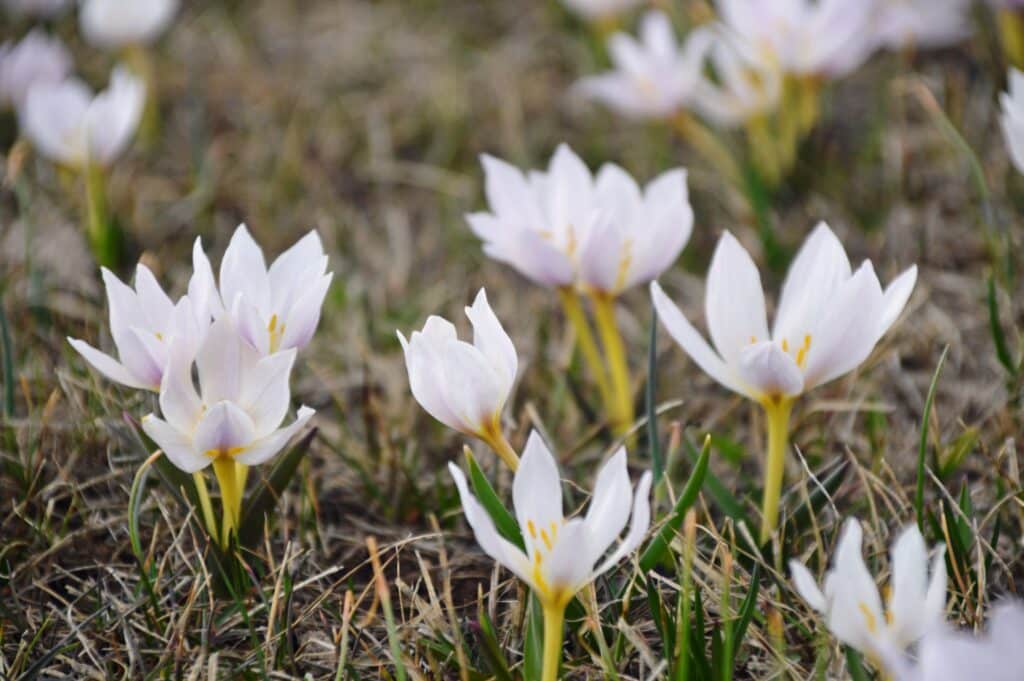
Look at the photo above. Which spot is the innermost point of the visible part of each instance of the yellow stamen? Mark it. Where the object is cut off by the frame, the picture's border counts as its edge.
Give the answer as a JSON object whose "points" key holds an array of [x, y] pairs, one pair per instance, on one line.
{"points": [[531, 528], [547, 540], [869, 617], [785, 345], [276, 332], [230, 452], [801, 355]]}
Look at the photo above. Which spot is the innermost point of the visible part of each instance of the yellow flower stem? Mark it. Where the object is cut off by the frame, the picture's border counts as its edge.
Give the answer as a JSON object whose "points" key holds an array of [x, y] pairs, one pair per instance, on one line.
{"points": [[553, 620], [764, 148], [1011, 32], [230, 497], [708, 145], [615, 354], [777, 413], [102, 237], [588, 346], [140, 61], [205, 505], [242, 475], [497, 441]]}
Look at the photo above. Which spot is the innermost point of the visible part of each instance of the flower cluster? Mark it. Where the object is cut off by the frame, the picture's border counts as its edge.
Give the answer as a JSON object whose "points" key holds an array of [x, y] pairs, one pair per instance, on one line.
{"points": [[239, 334]]}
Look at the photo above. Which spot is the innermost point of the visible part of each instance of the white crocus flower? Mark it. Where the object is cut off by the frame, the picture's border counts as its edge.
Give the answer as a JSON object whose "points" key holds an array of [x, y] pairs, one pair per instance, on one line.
{"points": [[465, 385], [36, 58], [537, 220], [237, 412], [653, 77], [71, 126], [568, 229], [637, 234], [828, 321], [143, 323], [902, 24], [1012, 118], [947, 655], [852, 607], [562, 554], [807, 38], [743, 87], [601, 9], [115, 24], [275, 308]]}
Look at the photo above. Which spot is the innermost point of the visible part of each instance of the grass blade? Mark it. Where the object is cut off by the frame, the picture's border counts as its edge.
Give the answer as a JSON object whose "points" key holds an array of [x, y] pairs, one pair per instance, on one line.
{"points": [[653, 443], [654, 552], [922, 449]]}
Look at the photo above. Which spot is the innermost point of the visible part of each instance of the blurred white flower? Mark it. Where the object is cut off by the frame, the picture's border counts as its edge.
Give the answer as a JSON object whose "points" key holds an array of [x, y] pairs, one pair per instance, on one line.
{"points": [[274, 309], [853, 610], [556, 228], [36, 58], [462, 385], [561, 553], [601, 9], [826, 38], [828, 319], [238, 410], [652, 77], [637, 234], [742, 87], [1012, 118], [945, 655], [71, 126], [120, 23], [900, 24], [144, 323], [37, 8]]}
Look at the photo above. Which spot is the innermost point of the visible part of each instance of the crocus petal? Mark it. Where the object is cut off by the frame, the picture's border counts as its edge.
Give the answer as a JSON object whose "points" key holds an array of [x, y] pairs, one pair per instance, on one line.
{"points": [[263, 449], [219, 363], [490, 338], [202, 287], [856, 616], [807, 587], [770, 371], [817, 272], [609, 505], [250, 324], [244, 271], [694, 344], [179, 402], [537, 491], [265, 394], [847, 330], [224, 429], [175, 444], [493, 544], [296, 265], [110, 367], [734, 300], [909, 577], [640, 523], [935, 596], [423, 358], [474, 391], [895, 299], [565, 568], [304, 316]]}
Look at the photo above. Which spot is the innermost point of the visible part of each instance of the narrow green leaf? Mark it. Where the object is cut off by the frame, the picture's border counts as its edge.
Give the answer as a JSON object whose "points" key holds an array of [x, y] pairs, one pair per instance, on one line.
{"points": [[855, 666], [922, 450], [533, 643], [490, 647], [264, 499], [8, 361], [654, 552], [746, 612], [503, 520], [996, 328], [650, 394]]}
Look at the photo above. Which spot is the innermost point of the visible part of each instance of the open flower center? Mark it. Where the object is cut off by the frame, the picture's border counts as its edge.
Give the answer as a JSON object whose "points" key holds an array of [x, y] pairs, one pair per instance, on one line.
{"points": [[800, 356], [542, 543], [228, 452], [276, 331]]}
